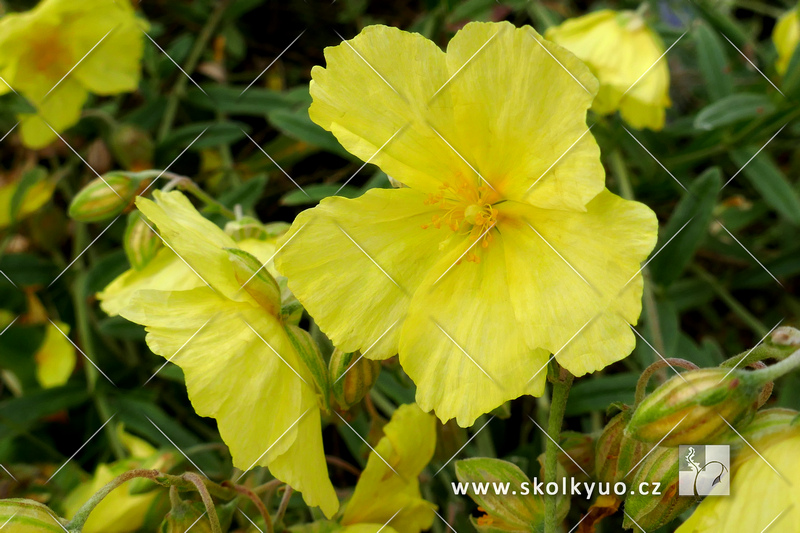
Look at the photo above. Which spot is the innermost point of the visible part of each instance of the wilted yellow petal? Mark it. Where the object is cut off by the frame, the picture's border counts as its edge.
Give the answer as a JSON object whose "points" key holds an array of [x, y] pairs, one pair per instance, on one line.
{"points": [[241, 369], [55, 358], [382, 490]]}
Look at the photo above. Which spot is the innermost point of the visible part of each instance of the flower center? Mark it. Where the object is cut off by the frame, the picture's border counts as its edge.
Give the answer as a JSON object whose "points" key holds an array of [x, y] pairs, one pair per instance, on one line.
{"points": [[48, 53], [466, 210]]}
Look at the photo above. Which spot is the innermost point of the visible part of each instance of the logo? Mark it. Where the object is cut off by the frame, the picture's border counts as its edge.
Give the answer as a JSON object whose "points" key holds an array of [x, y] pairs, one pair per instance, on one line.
{"points": [[704, 470]]}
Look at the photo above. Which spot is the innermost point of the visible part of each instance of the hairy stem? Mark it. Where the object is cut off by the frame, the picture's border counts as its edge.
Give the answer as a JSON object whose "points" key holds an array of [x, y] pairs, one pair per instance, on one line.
{"points": [[557, 407]]}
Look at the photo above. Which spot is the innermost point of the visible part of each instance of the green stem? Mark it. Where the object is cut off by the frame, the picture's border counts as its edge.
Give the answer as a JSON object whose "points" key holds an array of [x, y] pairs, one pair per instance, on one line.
{"points": [[759, 353], [196, 52], [620, 171], [734, 305], [287, 495], [208, 501], [779, 369], [76, 524], [641, 385], [194, 189], [557, 407]]}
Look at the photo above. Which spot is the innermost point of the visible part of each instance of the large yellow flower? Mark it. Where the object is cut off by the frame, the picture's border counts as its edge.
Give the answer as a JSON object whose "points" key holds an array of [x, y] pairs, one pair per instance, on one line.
{"points": [[240, 365], [761, 499], [60, 51], [625, 55], [786, 37], [503, 246]]}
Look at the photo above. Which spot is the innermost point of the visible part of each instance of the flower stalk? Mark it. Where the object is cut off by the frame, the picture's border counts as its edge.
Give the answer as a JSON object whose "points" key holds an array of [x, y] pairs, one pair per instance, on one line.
{"points": [[557, 407]]}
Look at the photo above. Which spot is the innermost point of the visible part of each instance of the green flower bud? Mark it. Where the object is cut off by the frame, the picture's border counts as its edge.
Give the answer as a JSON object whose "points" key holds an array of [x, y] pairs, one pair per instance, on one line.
{"points": [[257, 282], [28, 516], [616, 451], [505, 512], [106, 197], [308, 350], [140, 243], [185, 515], [352, 376], [132, 147], [657, 473], [696, 407]]}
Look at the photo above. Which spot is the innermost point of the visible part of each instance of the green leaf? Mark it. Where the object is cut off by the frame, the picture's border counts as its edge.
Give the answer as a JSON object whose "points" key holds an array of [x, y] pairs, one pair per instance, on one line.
{"points": [[693, 211], [732, 109], [315, 193], [117, 327], [18, 415], [598, 393], [246, 195], [712, 61], [769, 181], [298, 125], [210, 134], [254, 101], [791, 79], [27, 269]]}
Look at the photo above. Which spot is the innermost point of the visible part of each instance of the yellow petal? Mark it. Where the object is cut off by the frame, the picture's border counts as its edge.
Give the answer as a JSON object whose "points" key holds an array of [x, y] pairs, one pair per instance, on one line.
{"points": [[198, 242], [55, 358], [35, 197], [462, 344], [579, 270], [408, 445], [786, 36], [252, 383], [749, 484], [520, 105], [354, 263], [59, 111], [114, 64], [625, 55], [457, 117], [165, 272], [379, 85]]}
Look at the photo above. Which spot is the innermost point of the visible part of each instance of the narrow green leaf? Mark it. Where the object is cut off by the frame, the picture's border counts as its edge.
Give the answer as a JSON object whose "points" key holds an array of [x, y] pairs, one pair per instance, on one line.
{"points": [[694, 211], [239, 100], [207, 134], [315, 193], [769, 181], [298, 125], [713, 62], [732, 109]]}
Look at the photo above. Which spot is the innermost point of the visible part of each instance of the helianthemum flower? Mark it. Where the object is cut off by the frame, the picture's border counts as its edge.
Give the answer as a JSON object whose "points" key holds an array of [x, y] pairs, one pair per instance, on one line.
{"points": [[504, 246], [240, 364], [625, 55], [786, 37], [62, 50]]}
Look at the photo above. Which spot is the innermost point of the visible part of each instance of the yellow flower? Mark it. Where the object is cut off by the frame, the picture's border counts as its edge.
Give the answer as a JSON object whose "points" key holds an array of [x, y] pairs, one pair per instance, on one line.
{"points": [[49, 56], [55, 358], [786, 36], [384, 492], [504, 244], [758, 494], [240, 365], [624, 53], [35, 197]]}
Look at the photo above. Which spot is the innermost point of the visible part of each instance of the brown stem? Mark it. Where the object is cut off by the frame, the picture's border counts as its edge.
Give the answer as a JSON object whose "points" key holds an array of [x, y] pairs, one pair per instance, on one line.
{"points": [[283, 506], [208, 501], [647, 373], [244, 491], [344, 465]]}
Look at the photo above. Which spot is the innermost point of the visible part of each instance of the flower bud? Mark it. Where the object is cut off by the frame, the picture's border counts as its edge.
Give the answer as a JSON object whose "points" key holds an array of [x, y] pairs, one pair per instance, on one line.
{"points": [[651, 511], [768, 427], [786, 336], [106, 197], [696, 407], [308, 350], [132, 147], [352, 376], [185, 516], [140, 243], [28, 516], [616, 451], [255, 280]]}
